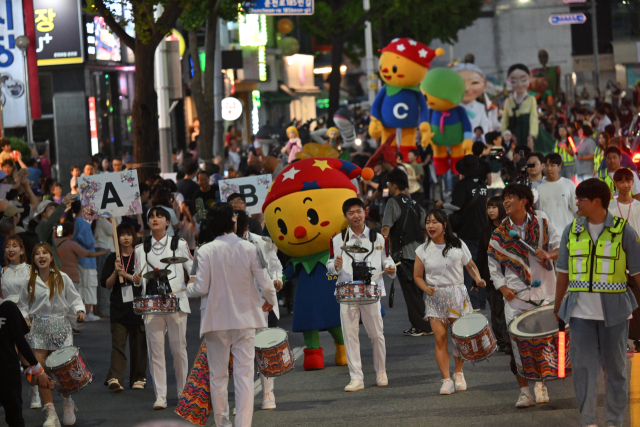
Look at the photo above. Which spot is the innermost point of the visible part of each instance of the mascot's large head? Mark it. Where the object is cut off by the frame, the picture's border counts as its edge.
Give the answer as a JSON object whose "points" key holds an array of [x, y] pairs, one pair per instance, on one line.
{"points": [[404, 62], [303, 209]]}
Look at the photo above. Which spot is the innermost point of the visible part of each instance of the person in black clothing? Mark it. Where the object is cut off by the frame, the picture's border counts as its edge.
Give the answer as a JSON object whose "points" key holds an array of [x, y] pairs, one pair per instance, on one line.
{"points": [[206, 192], [187, 186], [13, 328], [478, 149], [239, 203], [468, 201], [404, 225], [495, 215], [124, 322]]}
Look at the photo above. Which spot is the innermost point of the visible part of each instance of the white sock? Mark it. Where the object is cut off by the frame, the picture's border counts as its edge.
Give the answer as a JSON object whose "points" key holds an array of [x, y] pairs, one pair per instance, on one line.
{"points": [[525, 390]]}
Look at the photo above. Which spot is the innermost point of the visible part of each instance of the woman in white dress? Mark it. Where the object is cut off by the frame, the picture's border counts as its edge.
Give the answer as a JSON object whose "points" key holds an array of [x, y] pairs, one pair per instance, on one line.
{"points": [[45, 302], [15, 277], [439, 272]]}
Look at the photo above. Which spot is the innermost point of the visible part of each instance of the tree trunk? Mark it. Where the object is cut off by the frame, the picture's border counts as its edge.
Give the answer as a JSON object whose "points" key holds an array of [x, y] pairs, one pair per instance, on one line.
{"points": [[145, 114], [335, 78]]}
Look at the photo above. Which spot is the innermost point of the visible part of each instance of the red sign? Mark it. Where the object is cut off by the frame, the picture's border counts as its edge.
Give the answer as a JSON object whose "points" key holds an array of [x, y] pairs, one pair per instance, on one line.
{"points": [[93, 126]]}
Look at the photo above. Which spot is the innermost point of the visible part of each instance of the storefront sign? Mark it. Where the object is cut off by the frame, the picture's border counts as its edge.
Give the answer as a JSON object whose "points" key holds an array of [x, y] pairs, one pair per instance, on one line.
{"points": [[231, 108], [568, 18], [14, 112], [102, 44], [279, 7], [93, 126], [58, 32]]}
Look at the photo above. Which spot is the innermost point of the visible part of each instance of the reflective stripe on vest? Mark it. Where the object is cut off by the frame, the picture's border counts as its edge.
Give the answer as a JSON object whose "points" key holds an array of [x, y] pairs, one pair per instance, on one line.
{"points": [[598, 156], [608, 272], [567, 160]]}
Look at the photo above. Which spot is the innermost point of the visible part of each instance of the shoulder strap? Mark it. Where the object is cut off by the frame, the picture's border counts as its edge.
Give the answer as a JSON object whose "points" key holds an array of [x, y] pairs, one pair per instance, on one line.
{"points": [[175, 240], [373, 235], [146, 244]]}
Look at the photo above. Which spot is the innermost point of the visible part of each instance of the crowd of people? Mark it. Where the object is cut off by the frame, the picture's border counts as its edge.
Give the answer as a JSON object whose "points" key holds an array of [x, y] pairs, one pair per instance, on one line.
{"points": [[450, 245]]}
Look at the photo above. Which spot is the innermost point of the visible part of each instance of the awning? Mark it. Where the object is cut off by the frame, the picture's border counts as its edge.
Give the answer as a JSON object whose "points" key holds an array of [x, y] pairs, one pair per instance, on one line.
{"points": [[274, 98]]}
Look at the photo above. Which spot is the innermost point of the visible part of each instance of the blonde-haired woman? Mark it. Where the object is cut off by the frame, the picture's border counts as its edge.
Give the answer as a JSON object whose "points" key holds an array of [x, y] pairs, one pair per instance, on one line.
{"points": [[45, 301], [294, 145]]}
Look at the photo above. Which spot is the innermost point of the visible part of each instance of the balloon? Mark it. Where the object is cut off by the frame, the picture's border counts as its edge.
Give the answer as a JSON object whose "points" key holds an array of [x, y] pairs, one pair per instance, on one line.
{"points": [[367, 174]]}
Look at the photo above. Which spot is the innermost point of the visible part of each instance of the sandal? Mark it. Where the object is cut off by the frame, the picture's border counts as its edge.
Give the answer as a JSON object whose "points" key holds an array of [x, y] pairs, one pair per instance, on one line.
{"points": [[139, 385], [114, 385]]}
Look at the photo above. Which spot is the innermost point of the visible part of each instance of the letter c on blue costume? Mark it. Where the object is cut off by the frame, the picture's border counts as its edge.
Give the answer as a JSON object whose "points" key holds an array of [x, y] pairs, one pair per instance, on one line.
{"points": [[397, 113]]}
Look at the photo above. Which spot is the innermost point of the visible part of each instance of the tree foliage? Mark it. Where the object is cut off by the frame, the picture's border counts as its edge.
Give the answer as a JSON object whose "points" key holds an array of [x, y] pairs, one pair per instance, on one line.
{"points": [[341, 24]]}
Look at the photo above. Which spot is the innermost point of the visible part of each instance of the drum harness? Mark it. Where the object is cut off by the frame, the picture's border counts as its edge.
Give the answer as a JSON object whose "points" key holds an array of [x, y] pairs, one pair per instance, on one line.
{"points": [[373, 235], [163, 283]]}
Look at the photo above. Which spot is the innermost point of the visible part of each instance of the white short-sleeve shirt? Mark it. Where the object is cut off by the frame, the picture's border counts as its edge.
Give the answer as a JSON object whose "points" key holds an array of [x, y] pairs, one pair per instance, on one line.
{"points": [[443, 271]]}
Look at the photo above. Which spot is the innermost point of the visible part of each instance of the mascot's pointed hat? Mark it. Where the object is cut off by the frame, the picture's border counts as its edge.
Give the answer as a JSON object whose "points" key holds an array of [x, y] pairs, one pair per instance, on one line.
{"points": [[312, 174], [414, 51]]}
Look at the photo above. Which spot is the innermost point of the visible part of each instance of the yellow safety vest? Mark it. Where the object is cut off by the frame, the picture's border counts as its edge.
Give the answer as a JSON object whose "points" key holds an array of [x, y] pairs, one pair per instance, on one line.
{"points": [[597, 159], [567, 160], [599, 267], [603, 175]]}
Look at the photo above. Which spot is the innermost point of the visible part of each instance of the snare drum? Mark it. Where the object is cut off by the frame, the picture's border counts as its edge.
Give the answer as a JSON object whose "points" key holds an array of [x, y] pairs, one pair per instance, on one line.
{"points": [[70, 370], [534, 338], [148, 304], [357, 292], [273, 353], [473, 336]]}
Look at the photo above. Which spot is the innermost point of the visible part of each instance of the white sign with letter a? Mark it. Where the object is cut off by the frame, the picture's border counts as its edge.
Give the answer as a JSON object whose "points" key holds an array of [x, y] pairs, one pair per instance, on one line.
{"points": [[253, 188], [110, 194]]}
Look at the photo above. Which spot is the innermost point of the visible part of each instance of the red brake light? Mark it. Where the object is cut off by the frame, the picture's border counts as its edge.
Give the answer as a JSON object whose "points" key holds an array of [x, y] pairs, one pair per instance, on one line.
{"points": [[636, 158]]}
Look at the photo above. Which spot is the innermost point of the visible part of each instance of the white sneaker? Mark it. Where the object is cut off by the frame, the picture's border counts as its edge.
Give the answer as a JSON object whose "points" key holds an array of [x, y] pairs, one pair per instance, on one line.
{"points": [[70, 409], [382, 380], [52, 417], [525, 400], [458, 379], [91, 317], [354, 385], [269, 401], [35, 397], [542, 395], [447, 387], [161, 403]]}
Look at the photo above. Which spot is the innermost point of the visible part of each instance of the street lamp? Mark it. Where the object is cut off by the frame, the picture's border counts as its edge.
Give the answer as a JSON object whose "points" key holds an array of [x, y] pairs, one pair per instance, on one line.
{"points": [[23, 43]]}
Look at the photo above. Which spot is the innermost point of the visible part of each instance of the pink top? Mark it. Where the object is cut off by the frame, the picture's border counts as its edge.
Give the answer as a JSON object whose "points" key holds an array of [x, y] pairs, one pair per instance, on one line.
{"points": [[296, 146]]}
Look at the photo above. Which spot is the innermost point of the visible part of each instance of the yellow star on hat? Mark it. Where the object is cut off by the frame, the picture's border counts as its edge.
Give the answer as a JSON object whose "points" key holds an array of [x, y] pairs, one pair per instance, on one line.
{"points": [[322, 164]]}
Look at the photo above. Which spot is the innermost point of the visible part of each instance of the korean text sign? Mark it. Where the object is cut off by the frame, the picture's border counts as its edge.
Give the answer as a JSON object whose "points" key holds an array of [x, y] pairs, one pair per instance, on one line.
{"points": [[12, 64], [253, 188], [58, 32], [110, 194]]}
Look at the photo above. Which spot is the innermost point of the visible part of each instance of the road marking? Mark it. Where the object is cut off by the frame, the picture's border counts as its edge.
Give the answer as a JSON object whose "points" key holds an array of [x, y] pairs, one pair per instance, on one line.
{"points": [[257, 385], [634, 390]]}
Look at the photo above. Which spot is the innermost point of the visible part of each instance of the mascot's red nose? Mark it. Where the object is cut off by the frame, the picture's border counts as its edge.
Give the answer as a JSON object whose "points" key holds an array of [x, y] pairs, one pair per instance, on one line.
{"points": [[300, 232]]}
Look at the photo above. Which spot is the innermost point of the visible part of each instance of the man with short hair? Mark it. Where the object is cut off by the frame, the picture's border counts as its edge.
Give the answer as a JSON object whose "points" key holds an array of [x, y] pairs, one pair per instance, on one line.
{"points": [[128, 162], [514, 268], [535, 167], [116, 165], [350, 314], [87, 267], [613, 155], [206, 192], [556, 195], [187, 186], [148, 257], [598, 303], [231, 313], [75, 174], [404, 225], [239, 202]]}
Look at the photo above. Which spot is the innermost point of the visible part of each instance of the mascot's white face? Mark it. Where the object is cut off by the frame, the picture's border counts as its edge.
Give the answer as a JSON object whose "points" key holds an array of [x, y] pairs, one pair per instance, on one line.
{"points": [[519, 81], [474, 85]]}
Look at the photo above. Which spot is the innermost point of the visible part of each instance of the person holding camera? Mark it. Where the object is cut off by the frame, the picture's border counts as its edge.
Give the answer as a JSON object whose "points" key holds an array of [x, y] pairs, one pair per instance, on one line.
{"points": [[468, 203]]}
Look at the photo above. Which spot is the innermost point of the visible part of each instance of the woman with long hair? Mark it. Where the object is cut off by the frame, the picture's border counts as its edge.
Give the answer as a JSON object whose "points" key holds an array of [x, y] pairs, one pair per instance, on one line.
{"points": [[125, 324], [495, 214], [45, 302], [439, 272], [565, 149], [598, 157]]}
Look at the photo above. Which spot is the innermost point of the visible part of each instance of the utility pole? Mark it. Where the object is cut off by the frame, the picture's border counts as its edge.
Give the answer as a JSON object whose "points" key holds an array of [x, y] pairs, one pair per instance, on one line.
{"points": [[218, 92], [596, 58], [372, 78], [162, 89]]}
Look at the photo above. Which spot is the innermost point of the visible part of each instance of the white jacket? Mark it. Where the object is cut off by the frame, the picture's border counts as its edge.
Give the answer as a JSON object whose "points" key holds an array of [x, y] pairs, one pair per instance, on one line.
{"points": [[69, 301], [227, 268], [270, 253], [379, 259]]}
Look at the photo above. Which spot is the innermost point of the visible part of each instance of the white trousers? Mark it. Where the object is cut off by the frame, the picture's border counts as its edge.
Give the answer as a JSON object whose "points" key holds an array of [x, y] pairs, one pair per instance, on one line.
{"points": [[175, 325], [372, 320], [240, 342]]}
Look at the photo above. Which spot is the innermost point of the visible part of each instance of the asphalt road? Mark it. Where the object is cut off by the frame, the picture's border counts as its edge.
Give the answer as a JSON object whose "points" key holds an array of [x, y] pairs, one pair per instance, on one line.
{"points": [[317, 398]]}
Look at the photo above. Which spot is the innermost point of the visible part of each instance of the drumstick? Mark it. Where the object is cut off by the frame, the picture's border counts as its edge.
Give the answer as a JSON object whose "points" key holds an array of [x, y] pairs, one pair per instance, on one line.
{"points": [[177, 292], [343, 242], [380, 274]]}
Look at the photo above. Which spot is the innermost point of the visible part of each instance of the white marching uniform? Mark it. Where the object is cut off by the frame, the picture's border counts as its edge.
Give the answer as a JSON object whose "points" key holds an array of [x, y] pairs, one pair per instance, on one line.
{"points": [[269, 251], [227, 269], [14, 278], [175, 324], [371, 313]]}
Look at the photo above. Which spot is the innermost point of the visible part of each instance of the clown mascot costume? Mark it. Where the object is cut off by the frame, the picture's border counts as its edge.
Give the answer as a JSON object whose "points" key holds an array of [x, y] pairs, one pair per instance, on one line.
{"points": [[303, 211]]}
